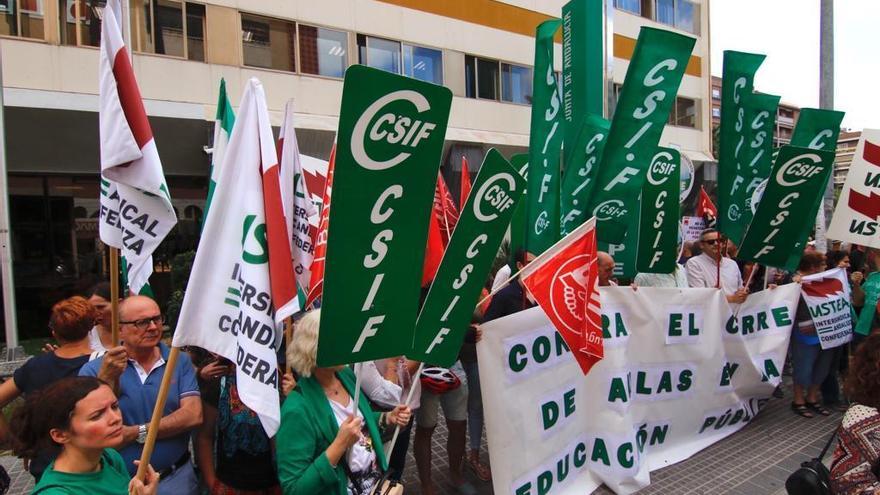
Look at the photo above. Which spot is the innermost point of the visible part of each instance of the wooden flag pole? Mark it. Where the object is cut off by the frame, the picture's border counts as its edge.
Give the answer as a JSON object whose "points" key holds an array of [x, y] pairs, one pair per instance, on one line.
{"points": [[288, 334], [114, 295], [153, 428], [357, 386]]}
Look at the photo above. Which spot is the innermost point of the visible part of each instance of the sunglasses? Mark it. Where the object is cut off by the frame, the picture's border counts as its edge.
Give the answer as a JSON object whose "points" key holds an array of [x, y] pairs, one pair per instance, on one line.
{"points": [[710, 241], [144, 323]]}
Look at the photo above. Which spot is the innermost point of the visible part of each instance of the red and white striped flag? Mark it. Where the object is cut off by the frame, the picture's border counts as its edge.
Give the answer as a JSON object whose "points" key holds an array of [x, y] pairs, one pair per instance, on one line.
{"points": [[316, 285], [136, 212], [243, 268], [564, 281], [293, 184]]}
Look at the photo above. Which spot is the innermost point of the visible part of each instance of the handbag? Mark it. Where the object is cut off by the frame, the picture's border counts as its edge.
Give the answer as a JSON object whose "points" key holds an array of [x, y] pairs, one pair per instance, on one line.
{"points": [[812, 478], [386, 486]]}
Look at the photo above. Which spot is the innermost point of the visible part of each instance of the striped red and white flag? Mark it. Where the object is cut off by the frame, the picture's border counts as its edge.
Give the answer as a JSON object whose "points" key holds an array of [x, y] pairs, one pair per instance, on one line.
{"points": [[316, 285], [136, 212]]}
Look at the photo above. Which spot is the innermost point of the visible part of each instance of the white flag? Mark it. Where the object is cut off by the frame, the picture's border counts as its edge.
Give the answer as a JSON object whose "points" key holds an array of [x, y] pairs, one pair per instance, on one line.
{"points": [[243, 267], [293, 184], [136, 212]]}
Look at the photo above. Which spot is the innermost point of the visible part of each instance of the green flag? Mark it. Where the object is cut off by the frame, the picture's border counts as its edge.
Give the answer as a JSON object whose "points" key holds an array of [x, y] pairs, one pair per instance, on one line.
{"points": [[583, 68], [738, 76], [517, 227], [467, 261], [391, 133], [545, 139], [646, 98], [223, 122], [658, 226], [580, 172], [778, 233], [753, 161]]}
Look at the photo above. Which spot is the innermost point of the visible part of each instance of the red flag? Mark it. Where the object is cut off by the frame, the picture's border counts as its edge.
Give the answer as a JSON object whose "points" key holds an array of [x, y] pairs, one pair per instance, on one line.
{"points": [[433, 253], [444, 210], [564, 282], [705, 205], [316, 285], [465, 182]]}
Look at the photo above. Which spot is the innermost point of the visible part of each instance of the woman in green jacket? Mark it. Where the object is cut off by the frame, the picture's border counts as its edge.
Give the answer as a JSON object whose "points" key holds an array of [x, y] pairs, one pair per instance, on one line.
{"points": [[323, 445]]}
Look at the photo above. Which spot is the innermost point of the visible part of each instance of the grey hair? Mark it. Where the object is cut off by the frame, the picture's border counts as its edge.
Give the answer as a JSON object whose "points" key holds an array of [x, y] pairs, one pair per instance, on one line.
{"points": [[302, 351]]}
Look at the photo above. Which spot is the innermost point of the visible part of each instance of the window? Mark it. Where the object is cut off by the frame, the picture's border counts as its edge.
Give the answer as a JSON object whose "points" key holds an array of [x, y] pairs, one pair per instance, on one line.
{"points": [[632, 6], [80, 22], [23, 18], [425, 64], [157, 26], [716, 93], [379, 53], [684, 113], [716, 112], [481, 78], [322, 51], [682, 14], [268, 43], [516, 84]]}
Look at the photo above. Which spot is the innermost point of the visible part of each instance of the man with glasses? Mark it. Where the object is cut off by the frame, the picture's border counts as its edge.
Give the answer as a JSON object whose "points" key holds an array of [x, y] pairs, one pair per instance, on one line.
{"points": [[135, 369], [704, 270]]}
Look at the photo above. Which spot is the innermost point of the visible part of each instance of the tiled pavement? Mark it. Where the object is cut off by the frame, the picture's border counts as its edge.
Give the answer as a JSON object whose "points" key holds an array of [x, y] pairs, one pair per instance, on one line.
{"points": [[753, 461]]}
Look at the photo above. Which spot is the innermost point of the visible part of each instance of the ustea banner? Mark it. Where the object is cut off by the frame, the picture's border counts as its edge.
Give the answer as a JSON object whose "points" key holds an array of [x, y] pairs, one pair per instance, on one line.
{"points": [[827, 295], [857, 213], [391, 133], [680, 373]]}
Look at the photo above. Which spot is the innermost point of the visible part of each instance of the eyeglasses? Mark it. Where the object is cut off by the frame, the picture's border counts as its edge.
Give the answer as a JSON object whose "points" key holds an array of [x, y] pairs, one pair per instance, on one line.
{"points": [[144, 323], [710, 241]]}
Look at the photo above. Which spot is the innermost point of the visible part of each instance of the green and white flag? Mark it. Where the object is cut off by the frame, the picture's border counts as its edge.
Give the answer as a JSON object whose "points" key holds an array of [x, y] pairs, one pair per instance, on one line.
{"points": [[580, 172], [583, 69], [517, 229], [223, 122], [778, 233], [753, 161], [466, 262], [545, 141], [738, 80], [648, 94], [658, 226], [389, 145]]}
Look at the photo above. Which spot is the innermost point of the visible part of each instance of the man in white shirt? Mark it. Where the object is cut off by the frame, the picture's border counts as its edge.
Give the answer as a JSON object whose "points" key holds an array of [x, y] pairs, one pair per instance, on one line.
{"points": [[703, 270]]}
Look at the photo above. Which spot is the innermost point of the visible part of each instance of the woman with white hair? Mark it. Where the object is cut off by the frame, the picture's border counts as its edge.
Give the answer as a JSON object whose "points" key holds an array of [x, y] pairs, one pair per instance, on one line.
{"points": [[325, 444]]}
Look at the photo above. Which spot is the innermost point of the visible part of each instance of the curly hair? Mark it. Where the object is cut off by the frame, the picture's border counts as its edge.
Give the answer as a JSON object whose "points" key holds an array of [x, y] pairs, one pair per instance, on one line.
{"points": [[48, 409], [302, 352], [862, 382], [72, 319]]}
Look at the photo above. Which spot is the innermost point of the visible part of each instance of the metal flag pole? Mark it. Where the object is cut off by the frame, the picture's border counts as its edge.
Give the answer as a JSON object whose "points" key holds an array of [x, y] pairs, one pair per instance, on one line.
{"points": [[9, 316]]}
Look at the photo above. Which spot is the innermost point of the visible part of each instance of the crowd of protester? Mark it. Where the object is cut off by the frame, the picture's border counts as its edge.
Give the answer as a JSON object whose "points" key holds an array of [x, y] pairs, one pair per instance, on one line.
{"points": [[88, 400]]}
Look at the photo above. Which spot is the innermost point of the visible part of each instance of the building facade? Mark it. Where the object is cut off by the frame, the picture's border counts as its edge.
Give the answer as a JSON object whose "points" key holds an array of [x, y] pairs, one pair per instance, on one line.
{"points": [[482, 50], [846, 149]]}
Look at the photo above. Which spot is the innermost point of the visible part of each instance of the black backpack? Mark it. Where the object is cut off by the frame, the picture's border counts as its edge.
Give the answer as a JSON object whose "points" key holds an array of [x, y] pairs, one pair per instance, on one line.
{"points": [[812, 478]]}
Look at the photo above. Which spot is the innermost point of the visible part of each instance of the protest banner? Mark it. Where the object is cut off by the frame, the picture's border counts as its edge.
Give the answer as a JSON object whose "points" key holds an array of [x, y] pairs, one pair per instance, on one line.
{"points": [[857, 213], [827, 296], [391, 132], [242, 282], [224, 120], [779, 230], [564, 281], [449, 306], [753, 161], [680, 373], [302, 211], [737, 83], [580, 172], [583, 69], [691, 228], [136, 212], [658, 226], [545, 140]]}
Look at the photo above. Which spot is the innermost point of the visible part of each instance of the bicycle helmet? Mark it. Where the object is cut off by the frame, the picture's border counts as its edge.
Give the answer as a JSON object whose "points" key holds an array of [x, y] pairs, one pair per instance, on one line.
{"points": [[439, 380]]}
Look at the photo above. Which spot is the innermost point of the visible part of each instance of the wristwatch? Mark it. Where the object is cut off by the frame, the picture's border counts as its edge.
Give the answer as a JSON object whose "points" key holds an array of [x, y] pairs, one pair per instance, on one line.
{"points": [[142, 434]]}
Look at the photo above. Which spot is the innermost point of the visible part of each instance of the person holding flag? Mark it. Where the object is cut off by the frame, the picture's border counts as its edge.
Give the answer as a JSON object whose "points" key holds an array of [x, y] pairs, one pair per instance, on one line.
{"points": [[711, 269]]}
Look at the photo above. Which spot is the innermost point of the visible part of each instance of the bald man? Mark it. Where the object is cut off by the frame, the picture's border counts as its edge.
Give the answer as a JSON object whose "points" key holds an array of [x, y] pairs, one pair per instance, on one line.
{"points": [[136, 368], [606, 269]]}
